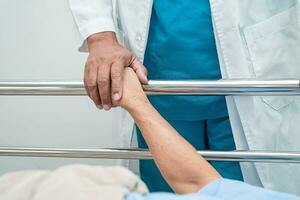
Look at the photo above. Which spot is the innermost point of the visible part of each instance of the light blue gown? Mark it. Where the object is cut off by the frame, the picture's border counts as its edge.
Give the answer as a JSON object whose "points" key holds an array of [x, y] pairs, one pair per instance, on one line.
{"points": [[222, 189]]}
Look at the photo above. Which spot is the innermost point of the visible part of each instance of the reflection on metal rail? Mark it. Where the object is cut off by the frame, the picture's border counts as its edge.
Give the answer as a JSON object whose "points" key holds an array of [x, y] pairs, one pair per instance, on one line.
{"points": [[219, 87], [239, 156]]}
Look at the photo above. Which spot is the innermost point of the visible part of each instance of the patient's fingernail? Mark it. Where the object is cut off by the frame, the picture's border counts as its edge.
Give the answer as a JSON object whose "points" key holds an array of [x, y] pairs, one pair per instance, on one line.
{"points": [[99, 107], [106, 107], [116, 97]]}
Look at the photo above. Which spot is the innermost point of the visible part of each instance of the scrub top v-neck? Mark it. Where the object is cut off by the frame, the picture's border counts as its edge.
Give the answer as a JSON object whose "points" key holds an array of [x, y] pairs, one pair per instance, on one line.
{"points": [[181, 46]]}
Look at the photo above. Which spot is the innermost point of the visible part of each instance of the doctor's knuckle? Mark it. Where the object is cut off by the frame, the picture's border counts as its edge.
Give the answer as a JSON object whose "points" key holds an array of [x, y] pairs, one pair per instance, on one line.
{"points": [[89, 83], [102, 81], [89, 72], [91, 62], [116, 75], [122, 56], [104, 60], [96, 61]]}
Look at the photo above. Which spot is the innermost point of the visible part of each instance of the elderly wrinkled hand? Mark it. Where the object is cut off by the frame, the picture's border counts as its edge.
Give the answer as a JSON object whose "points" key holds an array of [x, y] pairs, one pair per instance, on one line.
{"points": [[133, 95]]}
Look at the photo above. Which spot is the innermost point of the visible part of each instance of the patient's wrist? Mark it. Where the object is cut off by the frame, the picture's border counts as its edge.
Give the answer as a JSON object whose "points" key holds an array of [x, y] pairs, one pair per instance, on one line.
{"points": [[138, 106]]}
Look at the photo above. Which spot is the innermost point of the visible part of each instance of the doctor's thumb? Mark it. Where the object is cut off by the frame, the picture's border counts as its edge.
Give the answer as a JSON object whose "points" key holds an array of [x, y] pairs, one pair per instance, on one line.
{"points": [[140, 70]]}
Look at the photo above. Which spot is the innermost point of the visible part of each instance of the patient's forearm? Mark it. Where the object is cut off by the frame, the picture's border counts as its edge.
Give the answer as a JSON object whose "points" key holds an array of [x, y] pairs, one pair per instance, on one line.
{"points": [[177, 160]]}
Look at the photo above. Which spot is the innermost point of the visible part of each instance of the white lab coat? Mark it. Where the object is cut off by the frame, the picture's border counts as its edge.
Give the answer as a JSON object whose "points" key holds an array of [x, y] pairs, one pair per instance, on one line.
{"points": [[255, 39]]}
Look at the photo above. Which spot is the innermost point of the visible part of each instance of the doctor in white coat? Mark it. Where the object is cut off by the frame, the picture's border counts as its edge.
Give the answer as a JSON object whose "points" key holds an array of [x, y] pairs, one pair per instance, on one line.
{"points": [[255, 39]]}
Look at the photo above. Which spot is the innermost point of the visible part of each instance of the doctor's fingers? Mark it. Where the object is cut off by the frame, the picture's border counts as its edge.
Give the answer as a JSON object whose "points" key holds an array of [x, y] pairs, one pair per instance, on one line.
{"points": [[117, 72], [140, 70], [103, 82], [90, 84]]}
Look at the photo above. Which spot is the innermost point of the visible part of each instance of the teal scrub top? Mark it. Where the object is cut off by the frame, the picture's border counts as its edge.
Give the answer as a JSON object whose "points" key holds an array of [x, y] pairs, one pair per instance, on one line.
{"points": [[222, 189], [181, 46]]}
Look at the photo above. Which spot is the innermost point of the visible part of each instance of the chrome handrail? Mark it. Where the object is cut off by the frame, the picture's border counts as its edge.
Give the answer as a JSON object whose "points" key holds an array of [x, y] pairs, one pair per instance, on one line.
{"points": [[218, 87], [142, 154]]}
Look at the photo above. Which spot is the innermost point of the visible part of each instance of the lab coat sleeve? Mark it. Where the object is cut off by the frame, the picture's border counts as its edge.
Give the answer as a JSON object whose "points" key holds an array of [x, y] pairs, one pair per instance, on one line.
{"points": [[92, 16]]}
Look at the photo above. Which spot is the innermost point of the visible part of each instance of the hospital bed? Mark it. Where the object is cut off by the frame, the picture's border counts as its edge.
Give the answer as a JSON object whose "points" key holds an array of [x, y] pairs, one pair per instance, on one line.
{"points": [[219, 87]]}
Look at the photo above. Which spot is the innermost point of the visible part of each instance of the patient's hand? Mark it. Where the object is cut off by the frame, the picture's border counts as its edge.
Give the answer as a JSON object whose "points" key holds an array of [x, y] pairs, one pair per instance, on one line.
{"points": [[133, 95]]}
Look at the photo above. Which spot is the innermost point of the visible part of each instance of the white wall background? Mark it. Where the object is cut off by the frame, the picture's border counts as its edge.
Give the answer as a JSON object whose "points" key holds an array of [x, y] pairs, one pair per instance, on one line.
{"points": [[39, 41]]}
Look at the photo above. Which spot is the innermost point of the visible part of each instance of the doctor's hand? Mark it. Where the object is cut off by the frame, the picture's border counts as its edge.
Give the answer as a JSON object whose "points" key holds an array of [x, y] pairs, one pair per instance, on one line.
{"points": [[104, 69]]}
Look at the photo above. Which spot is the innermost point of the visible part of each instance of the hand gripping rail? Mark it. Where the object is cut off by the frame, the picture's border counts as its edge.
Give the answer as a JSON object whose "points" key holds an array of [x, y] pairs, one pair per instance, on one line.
{"points": [[220, 87]]}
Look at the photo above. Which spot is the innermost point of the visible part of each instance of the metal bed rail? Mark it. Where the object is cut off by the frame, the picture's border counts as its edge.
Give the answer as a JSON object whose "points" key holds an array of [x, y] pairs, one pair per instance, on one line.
{"points": [[142, 154], [219, 87]]}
